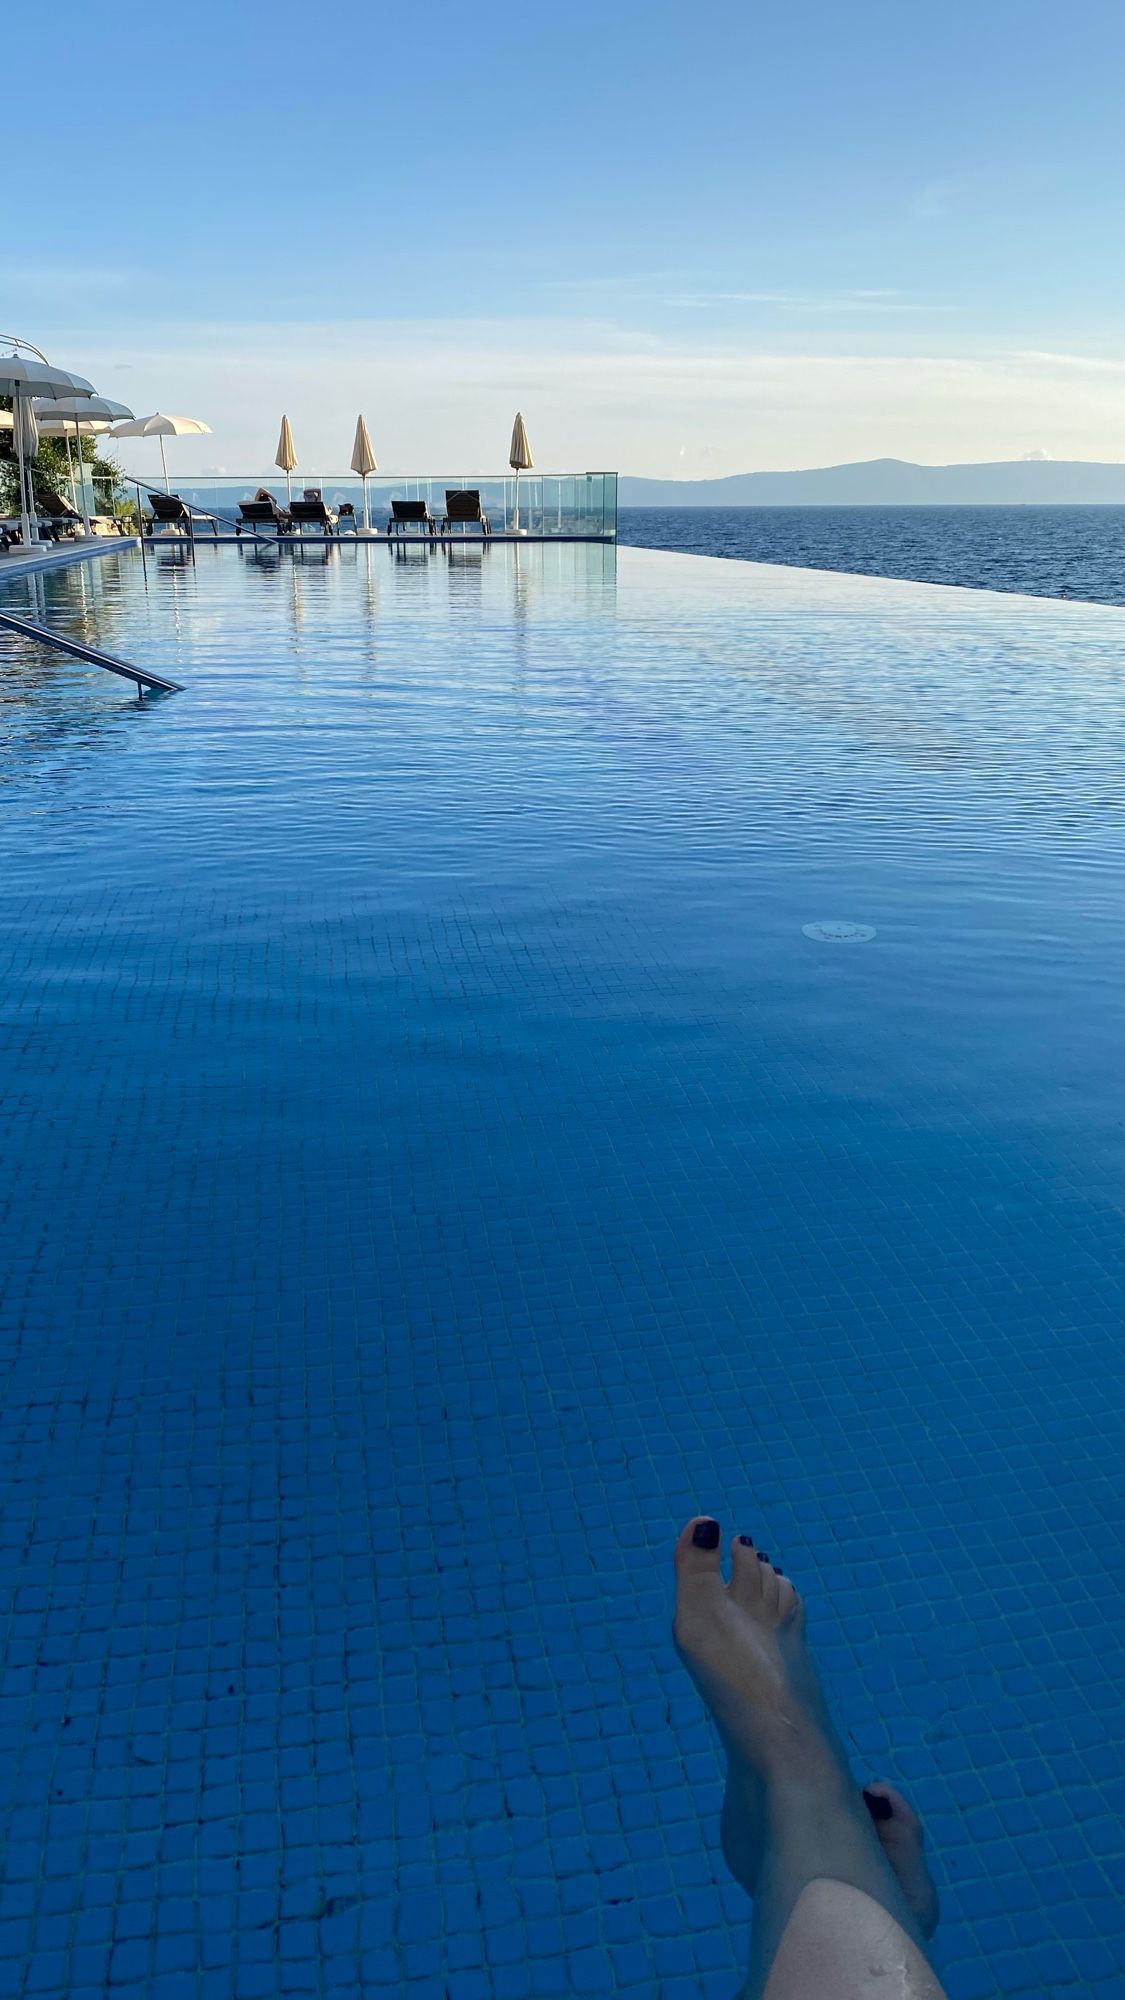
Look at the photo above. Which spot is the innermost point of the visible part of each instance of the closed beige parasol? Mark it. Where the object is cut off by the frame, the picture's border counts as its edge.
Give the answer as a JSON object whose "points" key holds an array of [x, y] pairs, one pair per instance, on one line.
{"points": [[363, 462], [286, 458], [520, 460]]}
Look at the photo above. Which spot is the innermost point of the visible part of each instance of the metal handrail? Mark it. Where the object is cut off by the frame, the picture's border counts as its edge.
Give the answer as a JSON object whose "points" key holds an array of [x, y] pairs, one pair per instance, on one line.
{"points": [[28, 630], [204, 513]]}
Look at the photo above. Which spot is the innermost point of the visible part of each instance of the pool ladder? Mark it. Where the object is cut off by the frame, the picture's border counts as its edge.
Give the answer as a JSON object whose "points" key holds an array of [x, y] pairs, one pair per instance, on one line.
{"points": [[46, 637]]}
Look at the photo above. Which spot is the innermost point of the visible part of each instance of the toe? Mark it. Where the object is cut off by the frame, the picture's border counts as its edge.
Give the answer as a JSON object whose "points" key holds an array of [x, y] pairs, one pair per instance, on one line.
{"points": [[894, 1816], [745, 1573], [788, 1600], [699, 1550], [770, 1582], [902, 1838]]}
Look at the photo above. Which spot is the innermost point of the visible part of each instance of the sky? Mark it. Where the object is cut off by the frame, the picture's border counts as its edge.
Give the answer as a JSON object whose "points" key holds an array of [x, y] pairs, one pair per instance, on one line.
{"points": [[686, 240]]}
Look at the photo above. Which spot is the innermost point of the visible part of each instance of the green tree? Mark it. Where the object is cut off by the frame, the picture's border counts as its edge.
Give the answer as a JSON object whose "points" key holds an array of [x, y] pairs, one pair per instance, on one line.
{"points": [[49, 472]]}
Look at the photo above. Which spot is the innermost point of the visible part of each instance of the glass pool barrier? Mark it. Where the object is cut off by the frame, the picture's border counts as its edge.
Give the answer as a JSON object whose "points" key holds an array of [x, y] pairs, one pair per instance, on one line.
{"points": [[566, 505]]}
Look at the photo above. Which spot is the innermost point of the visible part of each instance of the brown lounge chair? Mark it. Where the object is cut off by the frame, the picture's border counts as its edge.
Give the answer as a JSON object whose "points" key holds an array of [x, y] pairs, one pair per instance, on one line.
{"points": [[310, 512], [169, 511], [465, 507], [410, 514], [262, 512], [59, 514]]}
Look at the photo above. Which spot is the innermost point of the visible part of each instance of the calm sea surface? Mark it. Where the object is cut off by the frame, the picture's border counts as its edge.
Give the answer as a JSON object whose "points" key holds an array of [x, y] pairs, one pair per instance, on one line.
{"points": [[1044, 551]]}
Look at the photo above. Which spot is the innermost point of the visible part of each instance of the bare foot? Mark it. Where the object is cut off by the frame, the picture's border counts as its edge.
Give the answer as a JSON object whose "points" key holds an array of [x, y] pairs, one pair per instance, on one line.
{"points": [[898, 1826], [743, 1644], [901, 1832]]}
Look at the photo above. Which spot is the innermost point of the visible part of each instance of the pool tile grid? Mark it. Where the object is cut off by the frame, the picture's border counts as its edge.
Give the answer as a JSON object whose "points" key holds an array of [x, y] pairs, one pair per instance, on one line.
{"points": [[352, 1405]]}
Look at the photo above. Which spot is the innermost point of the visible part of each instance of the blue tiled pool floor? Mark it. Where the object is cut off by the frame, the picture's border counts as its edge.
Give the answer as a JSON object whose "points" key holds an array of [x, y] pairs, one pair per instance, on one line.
{"points": [[437, 1162]]}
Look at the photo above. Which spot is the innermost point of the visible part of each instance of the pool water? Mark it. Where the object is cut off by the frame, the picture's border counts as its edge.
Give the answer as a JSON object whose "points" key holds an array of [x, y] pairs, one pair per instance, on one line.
{"points": [[438, 1161]]}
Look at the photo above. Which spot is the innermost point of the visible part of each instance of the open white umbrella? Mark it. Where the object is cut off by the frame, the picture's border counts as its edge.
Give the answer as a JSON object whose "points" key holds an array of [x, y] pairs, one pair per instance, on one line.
{"points": [[90, 413], [520, 460], [286, 458], [23, 381], [363, 462], [87, 418], [160, 426]]}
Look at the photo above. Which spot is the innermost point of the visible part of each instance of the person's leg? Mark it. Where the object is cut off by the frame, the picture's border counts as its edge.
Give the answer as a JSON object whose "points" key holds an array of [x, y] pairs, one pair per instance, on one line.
{"points": [[797, 1832], [841, 1944]]}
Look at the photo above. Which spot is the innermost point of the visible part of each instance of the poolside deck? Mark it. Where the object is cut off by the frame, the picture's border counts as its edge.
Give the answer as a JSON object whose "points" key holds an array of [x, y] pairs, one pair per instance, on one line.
{"points": [[59, 555]]}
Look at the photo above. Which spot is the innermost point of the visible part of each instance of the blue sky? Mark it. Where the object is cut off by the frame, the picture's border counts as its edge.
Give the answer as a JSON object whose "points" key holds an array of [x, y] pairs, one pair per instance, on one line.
{"points": [[685, 239]]}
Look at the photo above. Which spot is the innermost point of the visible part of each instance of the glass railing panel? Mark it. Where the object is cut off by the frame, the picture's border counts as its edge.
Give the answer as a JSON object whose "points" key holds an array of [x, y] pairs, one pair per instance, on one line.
{"points": [[550, 503]]}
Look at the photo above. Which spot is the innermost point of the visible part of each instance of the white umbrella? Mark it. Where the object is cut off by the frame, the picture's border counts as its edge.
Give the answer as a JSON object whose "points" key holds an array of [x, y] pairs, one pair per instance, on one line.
{"points": [[24, 380], [89, 415], [520, 460], [363, 462], [85, 419], [286, 458], [27, 444], [160, 426]]}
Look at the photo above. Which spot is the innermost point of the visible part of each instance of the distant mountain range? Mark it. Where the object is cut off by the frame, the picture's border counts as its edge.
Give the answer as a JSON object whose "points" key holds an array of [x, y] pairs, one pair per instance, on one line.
{"points": [[894, 482]]}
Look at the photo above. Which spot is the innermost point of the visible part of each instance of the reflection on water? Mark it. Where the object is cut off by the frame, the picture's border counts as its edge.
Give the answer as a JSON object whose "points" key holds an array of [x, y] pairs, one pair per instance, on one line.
{"points": [[930, 682]]}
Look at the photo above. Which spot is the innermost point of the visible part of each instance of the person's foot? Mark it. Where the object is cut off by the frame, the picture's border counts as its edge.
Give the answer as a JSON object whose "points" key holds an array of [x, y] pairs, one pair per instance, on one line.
{"points": [[900, 1832], [743, 1644], [903, 1838]]}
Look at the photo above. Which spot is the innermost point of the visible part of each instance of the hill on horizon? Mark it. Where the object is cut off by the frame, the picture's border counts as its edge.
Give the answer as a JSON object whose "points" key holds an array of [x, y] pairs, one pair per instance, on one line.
{"points": [[894, 482]]}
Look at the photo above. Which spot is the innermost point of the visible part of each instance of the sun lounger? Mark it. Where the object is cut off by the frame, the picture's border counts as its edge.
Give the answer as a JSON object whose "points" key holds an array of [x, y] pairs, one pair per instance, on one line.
{"points": [[311, 512], [407, 514], [59, 514], [464, 508], [262, 514], [169, 511]]}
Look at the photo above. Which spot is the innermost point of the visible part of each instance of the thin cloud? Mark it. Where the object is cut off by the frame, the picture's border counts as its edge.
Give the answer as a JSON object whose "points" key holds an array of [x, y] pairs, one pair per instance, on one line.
{"points": [[653, 286], [440, 395], [812, 302], [53, 281], [1089, 363], [610, 283], [939, 198]]}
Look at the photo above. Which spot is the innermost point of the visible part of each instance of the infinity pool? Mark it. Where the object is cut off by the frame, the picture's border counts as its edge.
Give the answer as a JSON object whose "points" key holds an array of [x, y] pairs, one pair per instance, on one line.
{"points": [[437, 1161]]}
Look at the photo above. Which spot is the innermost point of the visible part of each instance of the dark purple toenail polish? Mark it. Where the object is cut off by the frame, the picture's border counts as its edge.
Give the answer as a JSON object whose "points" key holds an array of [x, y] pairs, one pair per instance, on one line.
{"points": [[705, 1535], [762, 1556], [747, 1541], [778, 1572], [877, 1806]]}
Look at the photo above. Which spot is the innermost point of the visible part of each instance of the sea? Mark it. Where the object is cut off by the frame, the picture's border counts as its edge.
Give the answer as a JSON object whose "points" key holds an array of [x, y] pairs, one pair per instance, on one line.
{"points": [[1041, 551]]}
